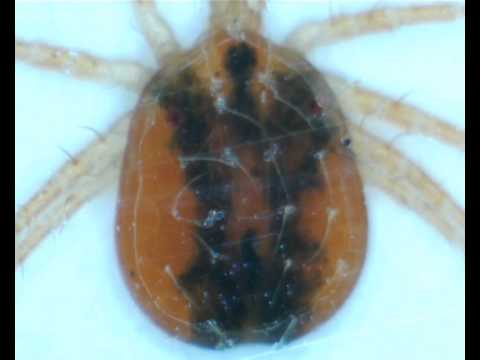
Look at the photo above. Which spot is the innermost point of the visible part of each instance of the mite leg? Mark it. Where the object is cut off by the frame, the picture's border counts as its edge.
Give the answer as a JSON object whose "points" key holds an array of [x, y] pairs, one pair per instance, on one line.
{"points": [[82, 65], [158, 34], [340, 28], [388, 169], [89, 172], [354, 98]]}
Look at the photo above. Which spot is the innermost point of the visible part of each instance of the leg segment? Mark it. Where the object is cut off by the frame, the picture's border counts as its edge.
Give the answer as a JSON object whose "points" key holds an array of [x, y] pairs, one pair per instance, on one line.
{"points": [[316, 34], [356, 99], [387, 169], [82, 65], [236, 16], [156, 31], [75, 183]]}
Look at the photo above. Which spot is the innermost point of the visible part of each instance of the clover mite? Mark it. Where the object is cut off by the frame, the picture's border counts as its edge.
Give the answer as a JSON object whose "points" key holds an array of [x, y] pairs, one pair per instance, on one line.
{"points": [[240, 169], [241, 214]]}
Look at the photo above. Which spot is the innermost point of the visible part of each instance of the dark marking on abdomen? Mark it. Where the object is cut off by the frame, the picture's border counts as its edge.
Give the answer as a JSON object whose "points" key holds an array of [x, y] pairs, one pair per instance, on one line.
{"points": [[239, 294]]}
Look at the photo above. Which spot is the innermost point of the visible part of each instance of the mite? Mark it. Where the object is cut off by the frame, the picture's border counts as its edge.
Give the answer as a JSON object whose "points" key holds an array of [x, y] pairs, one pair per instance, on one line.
{"points": [[241, 214]]}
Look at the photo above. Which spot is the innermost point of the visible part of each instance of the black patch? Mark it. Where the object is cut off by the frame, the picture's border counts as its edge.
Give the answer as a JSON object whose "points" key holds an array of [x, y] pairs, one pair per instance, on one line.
{"points": [[226, 282], [236, 294], [346, 142], [240, 62], [184, 99]]}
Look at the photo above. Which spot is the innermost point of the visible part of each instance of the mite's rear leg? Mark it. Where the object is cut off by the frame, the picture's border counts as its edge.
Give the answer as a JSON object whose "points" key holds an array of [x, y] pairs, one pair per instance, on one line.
{"points": [[388, 169], [91, 171], [354, 98]]}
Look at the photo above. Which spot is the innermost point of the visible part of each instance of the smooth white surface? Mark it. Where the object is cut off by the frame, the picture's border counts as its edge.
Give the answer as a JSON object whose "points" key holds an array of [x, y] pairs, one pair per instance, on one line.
{"points": [[70, 300]]}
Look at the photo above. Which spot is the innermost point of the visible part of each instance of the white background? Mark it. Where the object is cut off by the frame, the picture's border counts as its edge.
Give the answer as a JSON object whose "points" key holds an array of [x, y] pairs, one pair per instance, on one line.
{"points": [[70, 300]]}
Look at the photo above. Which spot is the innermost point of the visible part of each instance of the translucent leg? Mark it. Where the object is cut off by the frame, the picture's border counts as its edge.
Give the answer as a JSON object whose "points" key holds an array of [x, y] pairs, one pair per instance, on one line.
{"points": [[82, 65], [76, 182], [389, 170], [316, 34], [355, 99], [156, 31], [237, 16]]}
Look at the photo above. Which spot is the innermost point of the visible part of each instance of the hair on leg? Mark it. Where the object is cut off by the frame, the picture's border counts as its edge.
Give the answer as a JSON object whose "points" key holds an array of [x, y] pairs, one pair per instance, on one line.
{"points": [[76, 182]]}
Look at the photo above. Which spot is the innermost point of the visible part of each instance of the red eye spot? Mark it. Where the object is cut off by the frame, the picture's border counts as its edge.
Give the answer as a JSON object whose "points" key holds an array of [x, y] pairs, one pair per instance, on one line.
{"points": [[175, 118], [316, 109]]}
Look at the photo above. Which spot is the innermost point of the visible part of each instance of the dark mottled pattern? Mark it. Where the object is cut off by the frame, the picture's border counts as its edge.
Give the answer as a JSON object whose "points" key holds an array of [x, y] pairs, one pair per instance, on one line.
{"points": [[236, 294], [240, 64]]}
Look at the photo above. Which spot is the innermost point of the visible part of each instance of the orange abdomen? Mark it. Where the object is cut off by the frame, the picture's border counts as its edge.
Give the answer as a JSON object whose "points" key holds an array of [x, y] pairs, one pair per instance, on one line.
{"points": [[241, 214]]}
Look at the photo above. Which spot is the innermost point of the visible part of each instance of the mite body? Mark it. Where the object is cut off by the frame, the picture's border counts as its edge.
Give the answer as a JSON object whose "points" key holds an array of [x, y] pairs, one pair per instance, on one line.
{"points": [[241, 215]]}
